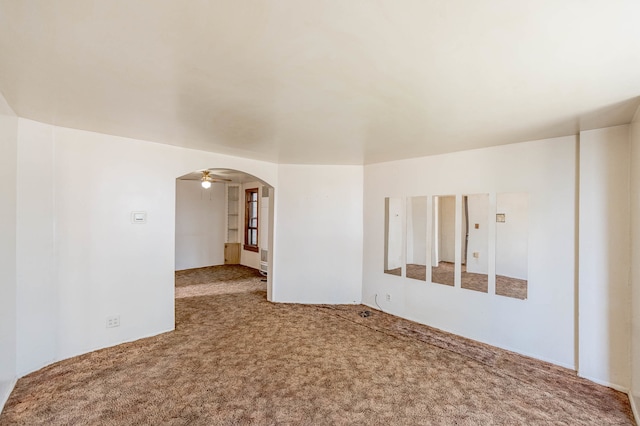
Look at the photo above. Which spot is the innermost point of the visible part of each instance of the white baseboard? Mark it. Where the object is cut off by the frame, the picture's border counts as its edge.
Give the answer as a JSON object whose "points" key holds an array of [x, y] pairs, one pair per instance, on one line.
{"points": [[5, 391], [65, 356], [506, 348], [619, 388], [634, 408]]}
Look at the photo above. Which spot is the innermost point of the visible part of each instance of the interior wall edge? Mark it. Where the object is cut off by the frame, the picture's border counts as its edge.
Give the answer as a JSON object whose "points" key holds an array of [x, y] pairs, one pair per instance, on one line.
{"points": [[5, 391], [318, 234], [605, 259], [615, 386], [576, 269], [634, 406], [634, 137], [8, 266]]}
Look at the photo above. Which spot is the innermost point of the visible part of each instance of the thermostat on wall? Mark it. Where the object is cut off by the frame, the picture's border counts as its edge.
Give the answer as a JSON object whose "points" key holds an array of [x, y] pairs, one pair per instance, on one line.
{"points": [[138, 217]]}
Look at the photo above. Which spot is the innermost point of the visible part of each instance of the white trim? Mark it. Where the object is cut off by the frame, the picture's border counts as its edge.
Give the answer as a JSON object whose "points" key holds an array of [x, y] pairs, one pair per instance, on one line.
{"points": [[95, 348], [634, 409], [536, 357], [619, 388], [377, 308], [6, 393]]}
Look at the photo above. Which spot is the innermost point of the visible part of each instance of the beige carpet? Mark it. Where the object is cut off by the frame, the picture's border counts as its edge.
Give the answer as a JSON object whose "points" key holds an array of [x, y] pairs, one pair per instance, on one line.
{"points": [[511, 287], [236, 359], [222, 279]]}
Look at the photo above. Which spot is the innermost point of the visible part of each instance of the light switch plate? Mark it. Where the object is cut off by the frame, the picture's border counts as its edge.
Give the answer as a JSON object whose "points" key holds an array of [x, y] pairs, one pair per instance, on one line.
{"points": [[501, 218], [138, 217]]}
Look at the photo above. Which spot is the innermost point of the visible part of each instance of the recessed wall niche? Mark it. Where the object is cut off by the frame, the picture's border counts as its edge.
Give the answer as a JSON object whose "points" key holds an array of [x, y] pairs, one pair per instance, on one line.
{"points": [[417, 238], [393, 236], [443, 241], [475, 242], [512, 245]]}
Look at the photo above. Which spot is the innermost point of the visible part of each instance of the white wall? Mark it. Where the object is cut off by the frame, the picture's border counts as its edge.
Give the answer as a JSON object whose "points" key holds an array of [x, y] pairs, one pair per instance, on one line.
{"points": [[447, 229], [478, 205], [319, 234], [634, 133], [393, 244], [80, 259], [200, 224], [541, 326], [8, 163], [37, 297], [417, 230], [604, 299]]}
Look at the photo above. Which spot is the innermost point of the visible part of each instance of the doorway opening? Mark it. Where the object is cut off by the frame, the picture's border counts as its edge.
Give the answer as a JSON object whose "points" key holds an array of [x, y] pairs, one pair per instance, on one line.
{"points": [[224, 233]]}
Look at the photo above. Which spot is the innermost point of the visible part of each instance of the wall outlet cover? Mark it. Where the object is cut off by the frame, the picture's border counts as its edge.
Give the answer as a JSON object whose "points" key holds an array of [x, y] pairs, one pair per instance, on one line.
{"points": [[113, 321]]}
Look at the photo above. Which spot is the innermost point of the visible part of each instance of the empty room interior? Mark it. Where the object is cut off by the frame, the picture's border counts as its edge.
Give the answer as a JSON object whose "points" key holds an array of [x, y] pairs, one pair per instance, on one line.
{"points": [[389, 212]]}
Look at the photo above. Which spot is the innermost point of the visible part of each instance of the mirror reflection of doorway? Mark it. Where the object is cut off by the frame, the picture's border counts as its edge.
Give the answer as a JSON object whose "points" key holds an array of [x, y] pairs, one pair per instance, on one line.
{"points": [[512, 245], [475, 242], [443, 241], [393, 236], [417, 238]]}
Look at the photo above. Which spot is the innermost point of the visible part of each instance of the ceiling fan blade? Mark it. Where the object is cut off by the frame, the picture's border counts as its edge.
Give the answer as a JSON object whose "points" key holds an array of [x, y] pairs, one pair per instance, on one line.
{"points": [[205, 174], [215, 177]]}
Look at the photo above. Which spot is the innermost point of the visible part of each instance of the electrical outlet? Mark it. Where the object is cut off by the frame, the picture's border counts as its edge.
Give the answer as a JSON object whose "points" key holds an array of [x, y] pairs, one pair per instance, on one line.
{"points": [[113, 321], [388, 298]]}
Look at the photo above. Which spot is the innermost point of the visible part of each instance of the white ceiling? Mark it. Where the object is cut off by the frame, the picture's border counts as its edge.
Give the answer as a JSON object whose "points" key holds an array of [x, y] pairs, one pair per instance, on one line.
{"points": [[324, 82]]}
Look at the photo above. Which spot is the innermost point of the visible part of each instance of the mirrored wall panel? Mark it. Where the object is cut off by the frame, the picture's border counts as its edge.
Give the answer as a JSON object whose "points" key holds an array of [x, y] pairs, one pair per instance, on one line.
{"points": [[417, 238], [444, 240], [512, 244], [475, 242], [393, 236]]}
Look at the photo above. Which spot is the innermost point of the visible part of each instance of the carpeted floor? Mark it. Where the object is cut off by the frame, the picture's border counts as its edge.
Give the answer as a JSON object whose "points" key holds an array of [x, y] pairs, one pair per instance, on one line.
{"points": [[416, 272], [444, 273], [511, 287], [216, 274], [223, 279], [236, 359]]}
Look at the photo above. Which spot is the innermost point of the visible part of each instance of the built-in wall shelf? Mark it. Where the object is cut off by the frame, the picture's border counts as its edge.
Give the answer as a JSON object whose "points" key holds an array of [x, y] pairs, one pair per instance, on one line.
{"points": [[233, 213]]}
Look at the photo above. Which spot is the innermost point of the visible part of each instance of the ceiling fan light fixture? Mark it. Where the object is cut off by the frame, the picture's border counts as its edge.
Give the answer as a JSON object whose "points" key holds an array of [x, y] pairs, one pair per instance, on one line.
{"points": [[206, 179]]}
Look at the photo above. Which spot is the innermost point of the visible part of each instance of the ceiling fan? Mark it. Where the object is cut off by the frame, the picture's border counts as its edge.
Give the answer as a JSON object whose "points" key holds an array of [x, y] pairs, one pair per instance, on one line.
{"points": [[206, 178]]}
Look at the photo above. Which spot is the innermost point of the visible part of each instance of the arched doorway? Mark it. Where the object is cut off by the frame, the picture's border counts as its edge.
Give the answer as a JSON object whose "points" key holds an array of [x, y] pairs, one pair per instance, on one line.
{"points": [[224, 217]]}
